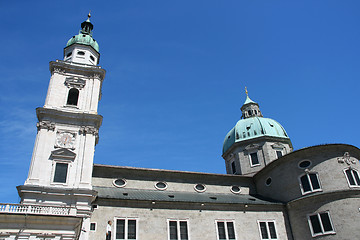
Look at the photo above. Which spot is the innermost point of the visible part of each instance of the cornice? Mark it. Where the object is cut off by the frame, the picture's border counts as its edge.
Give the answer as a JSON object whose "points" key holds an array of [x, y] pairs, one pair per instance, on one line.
{"points": [[84, 119], [257, 140], [63, 67]]}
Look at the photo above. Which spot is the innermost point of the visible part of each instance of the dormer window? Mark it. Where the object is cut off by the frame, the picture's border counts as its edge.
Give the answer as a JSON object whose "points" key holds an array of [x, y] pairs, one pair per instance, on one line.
{"points": [[73, 97], [254, 159]]}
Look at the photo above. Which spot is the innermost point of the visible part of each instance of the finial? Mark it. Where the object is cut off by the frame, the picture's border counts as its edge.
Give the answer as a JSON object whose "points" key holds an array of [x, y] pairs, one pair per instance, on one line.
{"points": [[246, 91], [89, 15]]}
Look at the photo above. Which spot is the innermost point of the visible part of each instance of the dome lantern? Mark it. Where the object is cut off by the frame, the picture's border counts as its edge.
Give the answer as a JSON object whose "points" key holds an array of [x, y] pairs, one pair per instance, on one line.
{"points": [[83, 48]]}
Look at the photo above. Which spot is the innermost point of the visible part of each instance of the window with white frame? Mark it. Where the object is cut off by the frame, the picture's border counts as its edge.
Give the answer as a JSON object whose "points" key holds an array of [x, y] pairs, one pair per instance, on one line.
{"points": [[178, 230], [93, 227], [60, 173], [267, 229], [125, 228], [320, 224], [279, 153], [309, 182], [233, 167], [352, 177], [225, 230], [254, 159]]}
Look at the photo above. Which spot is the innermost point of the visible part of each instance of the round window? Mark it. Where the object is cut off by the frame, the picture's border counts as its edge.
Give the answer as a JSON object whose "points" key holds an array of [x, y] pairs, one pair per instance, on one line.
{"points": [[304, 164], [200, 187], [235, 189], [161, 185], [119, 182], [268, 181]]}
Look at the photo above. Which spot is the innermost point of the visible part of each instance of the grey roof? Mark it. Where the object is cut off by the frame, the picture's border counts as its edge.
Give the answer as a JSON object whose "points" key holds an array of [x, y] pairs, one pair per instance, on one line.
{"points": [[156, 195]]}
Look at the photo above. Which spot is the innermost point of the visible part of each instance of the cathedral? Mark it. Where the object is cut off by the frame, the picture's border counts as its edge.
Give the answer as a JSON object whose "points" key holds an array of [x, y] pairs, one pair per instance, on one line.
{"points": [[270, 191]]}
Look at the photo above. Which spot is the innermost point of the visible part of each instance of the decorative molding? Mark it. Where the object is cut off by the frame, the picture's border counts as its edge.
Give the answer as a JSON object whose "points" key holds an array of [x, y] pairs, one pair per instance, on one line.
{"points": [[63, 154], [45, 125], [59, 70], [252, 147], [88, 119], [63, 67], [346, 159], [89, 130], [277, 145], [75, 82]]}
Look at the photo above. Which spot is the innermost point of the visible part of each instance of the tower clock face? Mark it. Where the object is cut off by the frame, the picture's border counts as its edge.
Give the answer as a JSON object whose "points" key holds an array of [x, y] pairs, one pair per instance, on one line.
{"points": [[65, 140]]}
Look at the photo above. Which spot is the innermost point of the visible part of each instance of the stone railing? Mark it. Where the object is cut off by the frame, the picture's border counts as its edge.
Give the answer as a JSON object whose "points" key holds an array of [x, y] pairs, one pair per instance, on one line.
{"points": [[36, 209]]}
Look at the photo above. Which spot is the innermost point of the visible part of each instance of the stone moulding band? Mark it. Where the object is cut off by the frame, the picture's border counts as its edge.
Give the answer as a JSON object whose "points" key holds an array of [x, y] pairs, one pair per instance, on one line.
{"points": [[62, 67], [88, 119]]}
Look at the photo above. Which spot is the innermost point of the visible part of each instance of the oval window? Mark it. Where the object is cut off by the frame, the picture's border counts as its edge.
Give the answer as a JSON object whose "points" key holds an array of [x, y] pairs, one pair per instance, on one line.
{"points": [[81, 53], [161, 185], [268, 181], [235, 189], [119, 182], [304, 164], [92, 58], [200, 187], [69, 54]]}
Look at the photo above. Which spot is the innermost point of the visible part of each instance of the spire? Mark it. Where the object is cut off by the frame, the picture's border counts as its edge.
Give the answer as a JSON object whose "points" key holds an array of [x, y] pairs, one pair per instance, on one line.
{"points": [[86, 26], [250, 108], [248, 100]]}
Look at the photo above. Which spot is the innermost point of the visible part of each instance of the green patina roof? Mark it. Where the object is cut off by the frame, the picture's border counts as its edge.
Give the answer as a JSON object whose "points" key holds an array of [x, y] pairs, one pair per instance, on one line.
{"points": [[251, 128], [85, 36], [83, 39], [248, 100]]}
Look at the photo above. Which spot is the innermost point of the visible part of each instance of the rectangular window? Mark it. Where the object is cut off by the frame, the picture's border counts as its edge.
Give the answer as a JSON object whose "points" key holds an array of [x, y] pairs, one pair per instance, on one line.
{"points": [[320, 224], [279, 154], [93, 227], [352, 177], [225, 230], [310, 183], [254, 160], [267, 229], [233, 167], [125, 229], [178, 230], [60, 174]]}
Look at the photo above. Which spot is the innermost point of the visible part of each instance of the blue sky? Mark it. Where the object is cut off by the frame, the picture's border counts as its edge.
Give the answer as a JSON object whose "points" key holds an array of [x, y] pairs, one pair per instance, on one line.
{"points": [[176, 72]]}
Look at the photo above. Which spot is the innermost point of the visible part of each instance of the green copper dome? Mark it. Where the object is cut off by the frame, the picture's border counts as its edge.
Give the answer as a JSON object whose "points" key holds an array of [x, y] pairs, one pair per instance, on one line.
{"points": [[253, 125], [84, 40], [251, 128], [85, 36]]}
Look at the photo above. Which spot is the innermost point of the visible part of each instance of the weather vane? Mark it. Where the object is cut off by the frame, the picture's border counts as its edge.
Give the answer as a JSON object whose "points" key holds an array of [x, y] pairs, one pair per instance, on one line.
{"points": [[246, 91]]}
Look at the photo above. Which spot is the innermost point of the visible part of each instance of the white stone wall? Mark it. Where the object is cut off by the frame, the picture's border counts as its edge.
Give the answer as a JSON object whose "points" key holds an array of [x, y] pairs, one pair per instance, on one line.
{"points": [[88, 95], [152, 223]]}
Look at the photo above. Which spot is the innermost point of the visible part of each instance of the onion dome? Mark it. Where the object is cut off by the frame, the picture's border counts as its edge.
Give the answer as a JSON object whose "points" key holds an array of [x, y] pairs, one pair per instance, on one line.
{"points": [[85, 36], [253, 125]]}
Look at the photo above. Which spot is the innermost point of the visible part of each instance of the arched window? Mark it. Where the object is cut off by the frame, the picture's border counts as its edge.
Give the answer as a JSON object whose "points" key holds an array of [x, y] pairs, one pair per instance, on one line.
{"points": [[73, 97]]}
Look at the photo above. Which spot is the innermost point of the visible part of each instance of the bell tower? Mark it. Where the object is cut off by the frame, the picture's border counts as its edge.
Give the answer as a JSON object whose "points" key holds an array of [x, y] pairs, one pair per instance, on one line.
{"points": [[67, 129]]}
